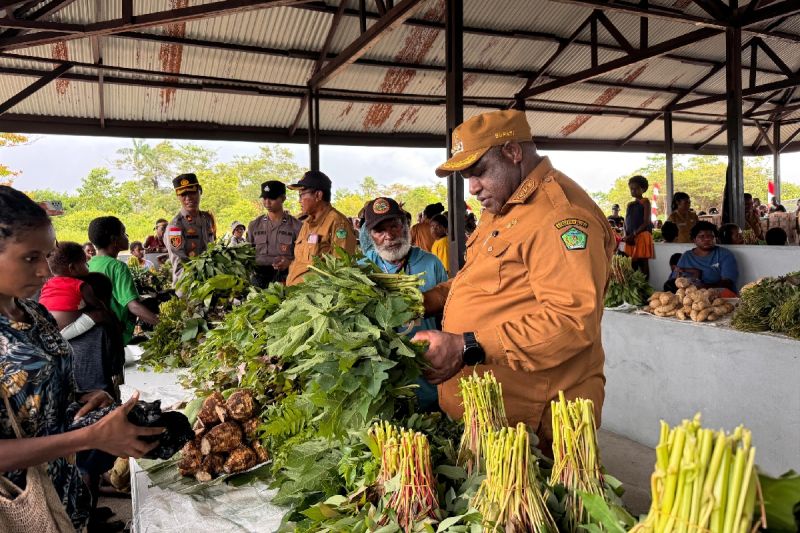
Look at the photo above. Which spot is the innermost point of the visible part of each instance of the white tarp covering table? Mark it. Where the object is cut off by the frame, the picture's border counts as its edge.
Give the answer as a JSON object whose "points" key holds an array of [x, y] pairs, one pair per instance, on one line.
{"points": [[219, 509]]}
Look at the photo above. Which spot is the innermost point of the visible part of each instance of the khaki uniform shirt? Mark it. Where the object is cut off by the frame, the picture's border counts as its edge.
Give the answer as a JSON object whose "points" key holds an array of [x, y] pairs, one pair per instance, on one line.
{"points": [[319, 236], [421, 236], [273, 240], [684, 224], [187, 237], [753, 222], [532, 291]]}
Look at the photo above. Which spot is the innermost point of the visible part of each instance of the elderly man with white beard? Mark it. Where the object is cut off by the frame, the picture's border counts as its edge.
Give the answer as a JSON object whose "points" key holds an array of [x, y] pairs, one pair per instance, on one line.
{"points": [[388, 227]]}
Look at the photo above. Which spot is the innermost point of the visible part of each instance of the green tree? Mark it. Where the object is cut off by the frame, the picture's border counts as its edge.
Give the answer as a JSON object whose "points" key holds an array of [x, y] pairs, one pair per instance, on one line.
{"points": [[8, 140], [701, 177]]}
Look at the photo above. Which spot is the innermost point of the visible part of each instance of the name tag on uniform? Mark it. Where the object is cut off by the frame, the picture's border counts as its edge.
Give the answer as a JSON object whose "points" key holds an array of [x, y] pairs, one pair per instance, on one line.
{"points": [[313, 238]]}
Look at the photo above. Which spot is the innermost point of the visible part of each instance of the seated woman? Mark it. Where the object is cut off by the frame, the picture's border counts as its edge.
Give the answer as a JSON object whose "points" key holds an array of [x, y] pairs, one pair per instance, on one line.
{"points": [[137, 258], [683, 216], [709, 265], [36, 384]]}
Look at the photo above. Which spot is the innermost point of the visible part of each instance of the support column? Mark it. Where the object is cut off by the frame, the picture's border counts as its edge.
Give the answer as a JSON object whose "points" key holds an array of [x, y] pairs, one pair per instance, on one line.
{"points": [[454, 50], [313, 129], [669, 149], [735, 176], [776, 159]]}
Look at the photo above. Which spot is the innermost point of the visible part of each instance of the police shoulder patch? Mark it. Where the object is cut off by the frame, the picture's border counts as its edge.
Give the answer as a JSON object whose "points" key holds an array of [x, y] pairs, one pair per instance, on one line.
{"points": [[574, 239], [341, 233]]}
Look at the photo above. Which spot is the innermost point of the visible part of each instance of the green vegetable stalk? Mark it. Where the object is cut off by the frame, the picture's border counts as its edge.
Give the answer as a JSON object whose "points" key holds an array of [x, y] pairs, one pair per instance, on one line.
{"points": [[704, 481], [510, 498], [406, 458], [576, 460], [482, 398]]}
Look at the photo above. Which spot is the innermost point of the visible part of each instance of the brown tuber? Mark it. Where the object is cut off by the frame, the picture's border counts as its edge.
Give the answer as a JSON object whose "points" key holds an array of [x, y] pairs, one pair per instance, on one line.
{"points": [[240, 460], [222, 438], [241, 405]]}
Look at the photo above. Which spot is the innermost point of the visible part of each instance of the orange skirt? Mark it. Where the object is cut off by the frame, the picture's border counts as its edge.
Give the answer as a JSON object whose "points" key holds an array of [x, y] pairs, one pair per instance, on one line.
{"points": [[642, 248]]}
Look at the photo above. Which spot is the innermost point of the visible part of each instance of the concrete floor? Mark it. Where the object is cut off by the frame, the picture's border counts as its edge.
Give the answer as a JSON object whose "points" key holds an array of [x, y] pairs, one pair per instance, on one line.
{"points": [[632, 463], [626, 460]]}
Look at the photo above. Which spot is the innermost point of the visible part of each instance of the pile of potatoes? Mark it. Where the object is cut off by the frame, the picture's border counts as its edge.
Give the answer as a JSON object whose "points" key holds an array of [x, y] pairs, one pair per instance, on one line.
{"points": [[699, 305]]}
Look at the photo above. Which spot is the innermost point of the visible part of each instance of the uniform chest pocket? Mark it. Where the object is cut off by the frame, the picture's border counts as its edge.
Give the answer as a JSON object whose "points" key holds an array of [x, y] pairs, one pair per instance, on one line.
{"points": [[485, 272], [260, 237], [285, 238]]}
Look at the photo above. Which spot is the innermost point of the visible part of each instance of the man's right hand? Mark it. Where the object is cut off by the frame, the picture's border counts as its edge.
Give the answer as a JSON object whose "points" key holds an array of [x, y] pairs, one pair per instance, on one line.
{"points": [[114, 434]]}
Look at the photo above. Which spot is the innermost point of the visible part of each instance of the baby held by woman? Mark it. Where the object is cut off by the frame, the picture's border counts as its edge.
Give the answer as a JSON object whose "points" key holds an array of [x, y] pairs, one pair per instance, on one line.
{"points": [[76, 298]]}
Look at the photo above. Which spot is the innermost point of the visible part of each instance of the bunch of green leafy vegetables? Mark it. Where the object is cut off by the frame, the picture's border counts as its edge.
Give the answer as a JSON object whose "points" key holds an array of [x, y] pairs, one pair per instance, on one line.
{"points": [[210, 286], [218, 259], [152, 281], [234, 353]]}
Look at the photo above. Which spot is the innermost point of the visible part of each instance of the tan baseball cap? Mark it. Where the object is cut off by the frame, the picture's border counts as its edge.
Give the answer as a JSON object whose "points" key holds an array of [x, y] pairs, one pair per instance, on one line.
{"points": [[474, 137]]}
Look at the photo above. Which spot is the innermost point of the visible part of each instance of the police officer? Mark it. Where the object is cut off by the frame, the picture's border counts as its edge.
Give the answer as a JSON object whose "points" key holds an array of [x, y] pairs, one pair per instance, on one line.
{"points": [[324, 227], [528, 303], [273, 236], [189, 233]]}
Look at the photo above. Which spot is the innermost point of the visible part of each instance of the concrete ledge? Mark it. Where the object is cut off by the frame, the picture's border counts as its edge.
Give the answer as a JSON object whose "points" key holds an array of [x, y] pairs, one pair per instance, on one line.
{"points": [[659, 368]]}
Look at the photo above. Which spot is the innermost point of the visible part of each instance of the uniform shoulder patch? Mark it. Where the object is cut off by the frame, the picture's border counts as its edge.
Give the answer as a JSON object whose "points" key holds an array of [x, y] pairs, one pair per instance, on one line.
{"points": [[175, 235], [561, 224], [341, 233], [574, 239]]}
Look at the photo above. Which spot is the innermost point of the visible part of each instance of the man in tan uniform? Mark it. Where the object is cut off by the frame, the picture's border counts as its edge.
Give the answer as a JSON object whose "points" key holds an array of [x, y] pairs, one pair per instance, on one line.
{"points": [[324, 227], [528, 303], [190, 232]]}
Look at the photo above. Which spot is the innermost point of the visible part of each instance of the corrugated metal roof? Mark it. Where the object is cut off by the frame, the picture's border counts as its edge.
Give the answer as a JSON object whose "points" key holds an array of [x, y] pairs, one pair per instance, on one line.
{"points": [[523, 35]]}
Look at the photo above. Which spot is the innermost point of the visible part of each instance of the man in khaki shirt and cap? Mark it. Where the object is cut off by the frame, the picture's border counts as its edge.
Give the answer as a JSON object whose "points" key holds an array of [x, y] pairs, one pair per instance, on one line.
{"points": [[324, 227], [528, 303]]}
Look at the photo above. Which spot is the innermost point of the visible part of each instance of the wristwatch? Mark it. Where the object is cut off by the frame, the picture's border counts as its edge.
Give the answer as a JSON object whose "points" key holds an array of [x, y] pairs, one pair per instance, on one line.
{"points": [[473, 353]]}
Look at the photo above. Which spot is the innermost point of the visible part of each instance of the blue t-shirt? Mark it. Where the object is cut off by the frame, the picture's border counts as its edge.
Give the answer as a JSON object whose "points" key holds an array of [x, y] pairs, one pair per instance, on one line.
{"points": [[718, 265], [433, 273]]}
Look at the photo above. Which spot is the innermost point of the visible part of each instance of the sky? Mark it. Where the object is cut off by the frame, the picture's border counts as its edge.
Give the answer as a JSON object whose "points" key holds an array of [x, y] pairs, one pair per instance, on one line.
{"points": [[59, 162]]}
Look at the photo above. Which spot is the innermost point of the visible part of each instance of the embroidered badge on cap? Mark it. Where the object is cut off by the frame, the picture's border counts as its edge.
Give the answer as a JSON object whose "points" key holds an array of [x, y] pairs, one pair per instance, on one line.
{"points": [[266, 188], [574, 239], [571, 222], [458, 145], [341, 233], [175, 236], [380, 206], [184, 182]]}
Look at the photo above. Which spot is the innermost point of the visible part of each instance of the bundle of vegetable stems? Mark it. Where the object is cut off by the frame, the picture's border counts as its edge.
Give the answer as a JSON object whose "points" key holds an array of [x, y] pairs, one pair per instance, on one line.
{"points": [[704, 481], [482, 398], [576, 462], [510, 498], [406, 454]]}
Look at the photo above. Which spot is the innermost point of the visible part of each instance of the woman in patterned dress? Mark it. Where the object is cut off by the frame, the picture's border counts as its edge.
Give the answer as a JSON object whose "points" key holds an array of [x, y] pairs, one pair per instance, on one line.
{"points": [[36, 369]]}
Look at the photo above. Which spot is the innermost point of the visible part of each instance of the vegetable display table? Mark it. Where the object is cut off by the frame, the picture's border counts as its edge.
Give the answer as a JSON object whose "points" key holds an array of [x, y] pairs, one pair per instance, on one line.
{"points": [[667, 369]]}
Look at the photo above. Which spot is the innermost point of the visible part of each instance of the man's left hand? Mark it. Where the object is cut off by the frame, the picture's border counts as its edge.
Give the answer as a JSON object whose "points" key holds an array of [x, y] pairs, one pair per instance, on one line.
{"points": [[94, 400], [445, 354]]}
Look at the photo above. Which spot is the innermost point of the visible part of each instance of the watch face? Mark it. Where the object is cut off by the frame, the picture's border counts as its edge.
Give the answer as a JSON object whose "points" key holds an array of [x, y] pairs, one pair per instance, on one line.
{"points": [[473, 355]]}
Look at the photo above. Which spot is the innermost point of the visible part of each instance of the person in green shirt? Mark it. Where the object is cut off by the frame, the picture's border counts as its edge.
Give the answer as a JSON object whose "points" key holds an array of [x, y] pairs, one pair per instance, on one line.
{"points": [[109, 237]]}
